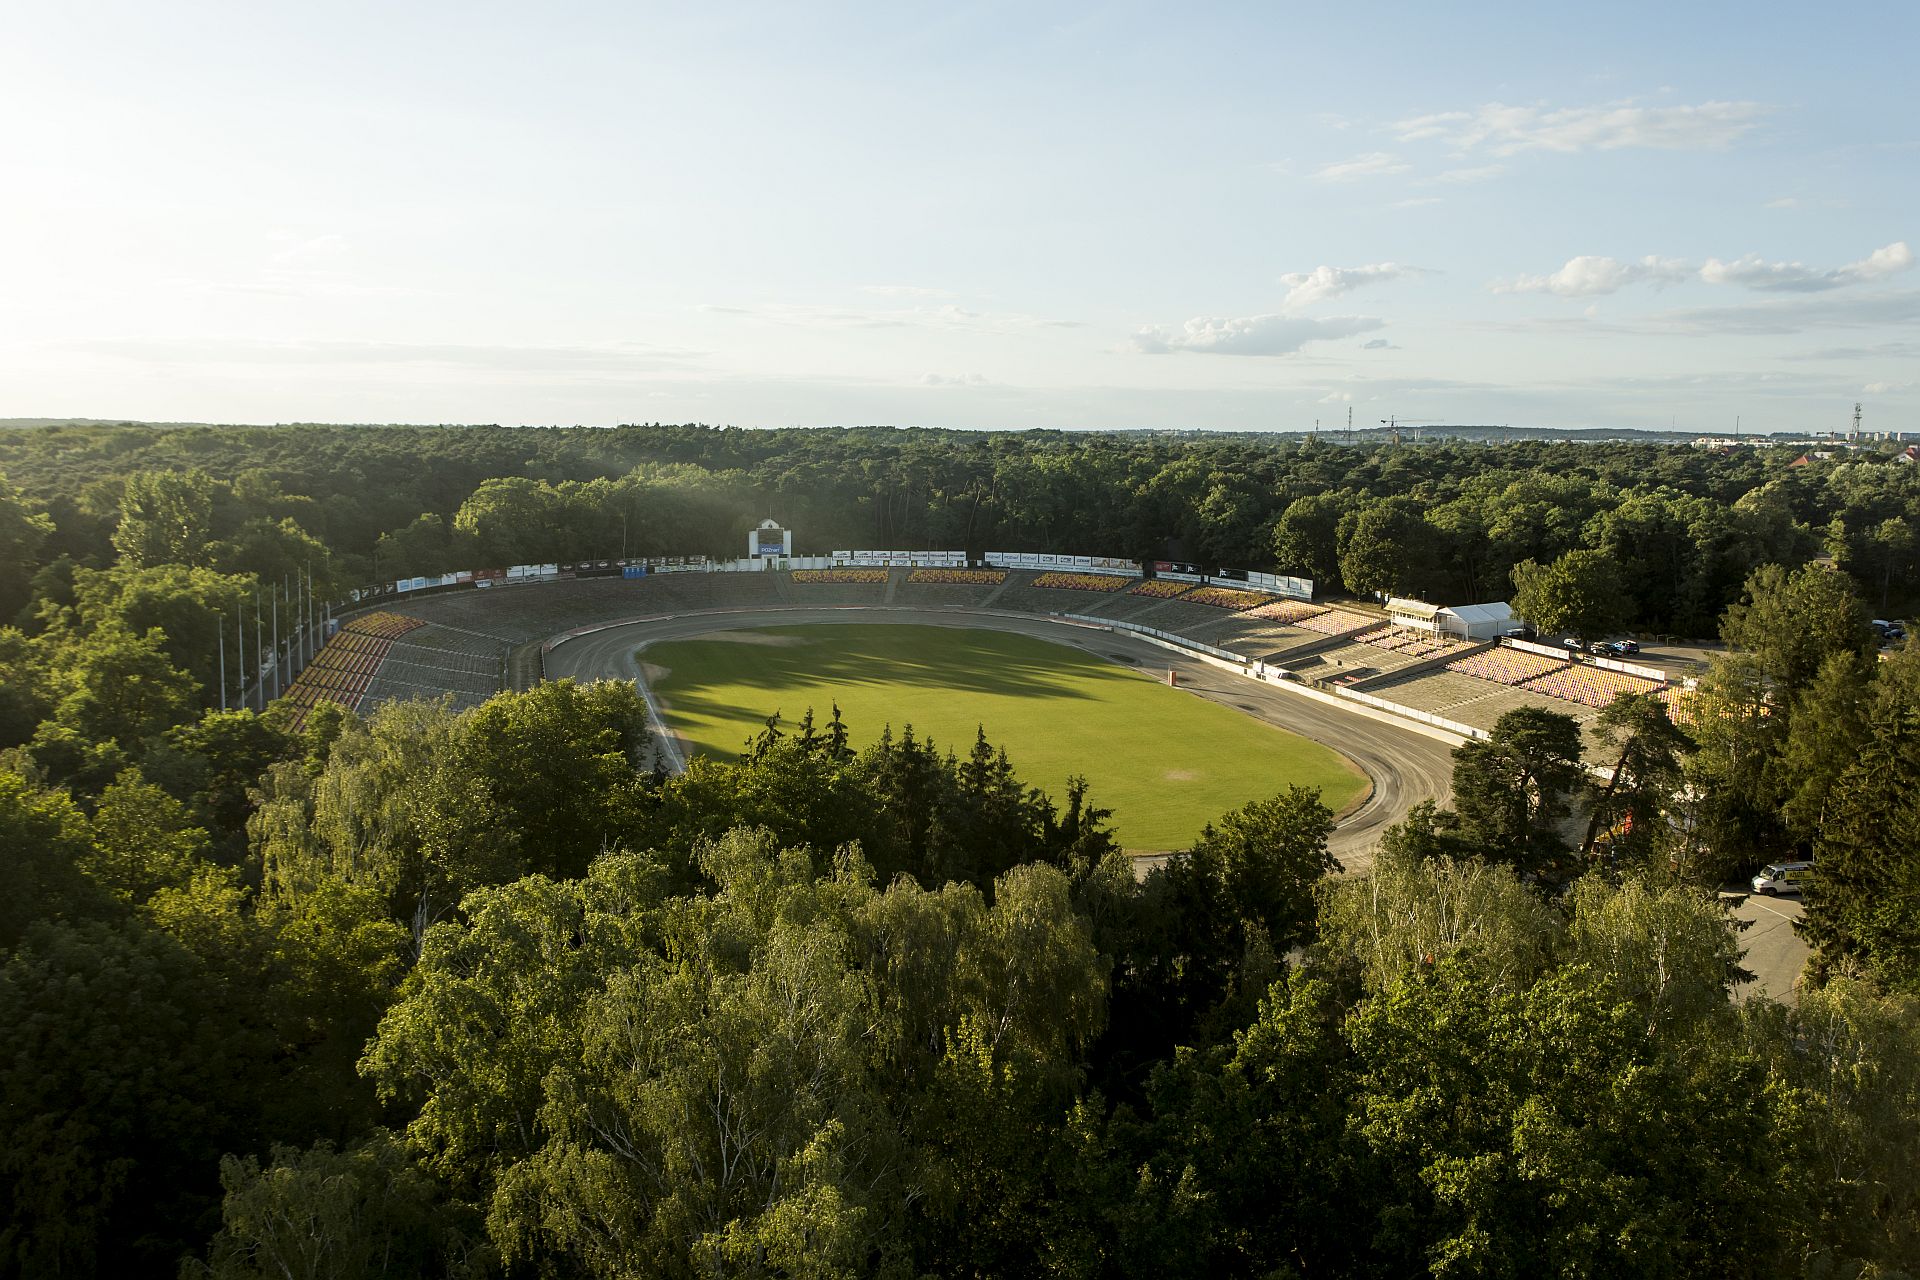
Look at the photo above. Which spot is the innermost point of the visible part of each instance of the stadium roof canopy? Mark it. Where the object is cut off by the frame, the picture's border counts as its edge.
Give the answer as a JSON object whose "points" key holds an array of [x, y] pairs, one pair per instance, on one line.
{"points": [[1412, 608]]}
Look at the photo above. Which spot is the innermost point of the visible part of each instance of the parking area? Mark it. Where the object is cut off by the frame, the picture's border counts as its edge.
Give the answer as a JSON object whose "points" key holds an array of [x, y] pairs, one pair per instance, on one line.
{"points": [[1774, 952]]}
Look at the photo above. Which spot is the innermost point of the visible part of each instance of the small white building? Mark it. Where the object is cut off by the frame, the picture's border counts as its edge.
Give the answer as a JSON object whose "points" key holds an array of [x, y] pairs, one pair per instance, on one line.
{"points": [[1416, 615], [1477, 621]]}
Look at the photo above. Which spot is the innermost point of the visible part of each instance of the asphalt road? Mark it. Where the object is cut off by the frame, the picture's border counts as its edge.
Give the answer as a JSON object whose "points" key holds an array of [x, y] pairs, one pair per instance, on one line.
{"points": [[1406, 764], [1775, 953]]}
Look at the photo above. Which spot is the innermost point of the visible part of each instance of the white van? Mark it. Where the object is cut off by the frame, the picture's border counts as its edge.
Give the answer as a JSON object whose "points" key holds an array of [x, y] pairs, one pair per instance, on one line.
{"points": [[1782, 877]]}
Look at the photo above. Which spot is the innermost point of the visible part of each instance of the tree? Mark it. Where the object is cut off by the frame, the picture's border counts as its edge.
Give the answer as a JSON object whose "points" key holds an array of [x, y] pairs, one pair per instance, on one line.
{"points": [[1863, 909], [1511, 791], [1488, 1111], [1793, 622], [1386, 548], [117, 694], [194, 610], [1270, 855], [1581, 593], [1306, 540], [1413, 910], [327, 1214], [1734, 819], [23, 529], [1631, 809], [44, 839], [166, 517], [123, 1083]]}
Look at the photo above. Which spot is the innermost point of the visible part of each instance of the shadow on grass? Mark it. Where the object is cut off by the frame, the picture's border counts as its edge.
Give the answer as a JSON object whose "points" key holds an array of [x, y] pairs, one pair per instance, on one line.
{"points": [[831, 656]]}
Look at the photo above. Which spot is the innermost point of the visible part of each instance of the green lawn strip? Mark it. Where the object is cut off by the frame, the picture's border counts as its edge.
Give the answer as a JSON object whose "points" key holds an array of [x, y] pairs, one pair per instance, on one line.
{"points": [[1166, 762]]}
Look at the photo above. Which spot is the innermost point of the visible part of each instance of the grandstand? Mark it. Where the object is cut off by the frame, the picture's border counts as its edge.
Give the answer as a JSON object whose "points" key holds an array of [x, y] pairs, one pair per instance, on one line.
{"points": [[956, 577], [822, 577], [1160, 588], [1363, 656], [1506, 666], [1591, 686], [437, 661], [1226, 598], [341, 671], [1051, 581], [1335, 622]]}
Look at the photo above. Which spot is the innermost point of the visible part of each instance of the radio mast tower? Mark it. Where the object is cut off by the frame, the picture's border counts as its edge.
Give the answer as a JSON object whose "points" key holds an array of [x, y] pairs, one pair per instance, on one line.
{"points": [[1853, 436]]}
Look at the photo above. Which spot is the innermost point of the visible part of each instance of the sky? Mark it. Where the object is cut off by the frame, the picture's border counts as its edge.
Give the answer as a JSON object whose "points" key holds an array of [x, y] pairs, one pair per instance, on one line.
{"points": [[1228, 216]]}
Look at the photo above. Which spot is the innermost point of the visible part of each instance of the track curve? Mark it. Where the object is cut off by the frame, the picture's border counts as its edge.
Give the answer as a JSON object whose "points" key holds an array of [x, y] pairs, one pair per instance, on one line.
{"points": [[1405, 764]]}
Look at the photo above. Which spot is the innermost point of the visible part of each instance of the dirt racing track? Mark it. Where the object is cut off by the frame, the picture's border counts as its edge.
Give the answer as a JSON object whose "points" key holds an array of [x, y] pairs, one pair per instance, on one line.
{"points": [[1406, 763]]}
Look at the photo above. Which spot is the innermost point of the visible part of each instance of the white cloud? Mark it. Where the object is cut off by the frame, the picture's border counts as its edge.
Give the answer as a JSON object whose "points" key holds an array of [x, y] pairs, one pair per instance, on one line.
{"points": [[1882, 388], [1753, 272], [1378, 344], [1375, 164], [1267, 335], [1784, 202], [1304, 288], [1416, 202], [956, 380], [1506, 130], [1589, 276]]}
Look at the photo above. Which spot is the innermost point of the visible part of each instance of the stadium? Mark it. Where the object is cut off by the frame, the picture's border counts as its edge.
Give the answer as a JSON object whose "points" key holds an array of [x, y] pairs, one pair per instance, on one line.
{"points": [[1178, 694]]}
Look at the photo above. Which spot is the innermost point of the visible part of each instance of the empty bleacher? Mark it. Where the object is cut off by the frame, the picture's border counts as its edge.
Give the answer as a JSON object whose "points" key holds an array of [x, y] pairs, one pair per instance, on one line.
{"points": [[341, 672], [436, 661], [1591, 686]]}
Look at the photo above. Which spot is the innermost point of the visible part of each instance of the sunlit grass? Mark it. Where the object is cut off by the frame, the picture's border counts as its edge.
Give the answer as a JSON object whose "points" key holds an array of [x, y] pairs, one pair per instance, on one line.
{"points": [[1163, 760]]}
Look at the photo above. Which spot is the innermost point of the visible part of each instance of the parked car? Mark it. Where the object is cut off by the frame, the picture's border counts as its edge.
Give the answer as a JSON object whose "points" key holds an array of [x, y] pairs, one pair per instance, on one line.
{"points": [[1782, 877], [1572, 645], [1520, 633], [1624, 647]]}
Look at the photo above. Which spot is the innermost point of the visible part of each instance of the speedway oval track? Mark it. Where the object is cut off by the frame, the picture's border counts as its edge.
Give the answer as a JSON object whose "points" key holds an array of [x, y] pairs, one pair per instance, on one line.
{"points": [[1405, 763]]}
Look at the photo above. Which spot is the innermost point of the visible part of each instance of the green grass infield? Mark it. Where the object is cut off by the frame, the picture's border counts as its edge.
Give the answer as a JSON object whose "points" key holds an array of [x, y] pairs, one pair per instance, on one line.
{"points": [[1166, 762]]}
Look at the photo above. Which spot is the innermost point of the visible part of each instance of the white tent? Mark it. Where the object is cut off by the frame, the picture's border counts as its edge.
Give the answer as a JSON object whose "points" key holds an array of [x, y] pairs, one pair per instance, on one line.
{"points": [[1477, 621]]}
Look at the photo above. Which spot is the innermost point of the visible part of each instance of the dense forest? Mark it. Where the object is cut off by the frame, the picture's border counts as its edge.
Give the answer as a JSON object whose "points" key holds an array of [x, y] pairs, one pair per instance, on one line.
{"points": [[427, 993]]}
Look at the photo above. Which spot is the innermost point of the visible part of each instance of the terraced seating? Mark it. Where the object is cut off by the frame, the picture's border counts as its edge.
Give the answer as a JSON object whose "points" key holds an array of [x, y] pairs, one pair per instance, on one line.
{"points": [[1286, 611], [1590, 686], [1683, 707], [439, 662], [958, 577], [341, 671], [1335, 622], [435, 660], [388, 626], [1404, 640], [1506, 666], [1160, 588], [518, 614], [823, 576], [1225, 597], [1080, 582], [1439, 692]]}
